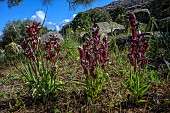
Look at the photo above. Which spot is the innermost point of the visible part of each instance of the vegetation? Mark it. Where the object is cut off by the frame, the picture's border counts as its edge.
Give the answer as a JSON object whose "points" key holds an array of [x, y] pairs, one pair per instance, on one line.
{"points": [[72, 3], [16, 31], [117, 11], [90, 75], [138, 47], [12, 3], [158, 6], [94, 58], [97, 16], [82, 19], [40, 66], [85, 20]]}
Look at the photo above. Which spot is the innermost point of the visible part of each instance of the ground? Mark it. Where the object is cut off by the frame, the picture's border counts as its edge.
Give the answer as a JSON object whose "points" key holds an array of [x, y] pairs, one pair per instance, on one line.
{"points": [[15, 96]]}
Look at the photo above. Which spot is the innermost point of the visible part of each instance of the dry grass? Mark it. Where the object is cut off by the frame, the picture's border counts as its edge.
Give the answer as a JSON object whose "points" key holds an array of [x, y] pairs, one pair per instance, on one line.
{"points": [[15, 96]]}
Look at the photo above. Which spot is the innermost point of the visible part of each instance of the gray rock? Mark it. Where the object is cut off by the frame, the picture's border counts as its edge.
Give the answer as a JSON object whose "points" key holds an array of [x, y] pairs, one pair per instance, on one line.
{"points": [[46, 36], [165, 24], [13, 49], [2, 55], [106, 27], [165, 13], [142, 15]]}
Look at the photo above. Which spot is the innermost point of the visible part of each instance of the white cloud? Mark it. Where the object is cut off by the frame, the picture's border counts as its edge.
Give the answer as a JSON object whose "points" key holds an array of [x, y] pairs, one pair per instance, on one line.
{"points": [[50, 24], [57, 28], [39, 16], [74, 15], [66, 21]]}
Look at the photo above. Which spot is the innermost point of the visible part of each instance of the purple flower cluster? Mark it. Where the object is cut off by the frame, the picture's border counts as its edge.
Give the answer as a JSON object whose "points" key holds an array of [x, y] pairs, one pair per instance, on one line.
{"points": [[52, 48], [94, 53], [32, 46], [138, 45]]}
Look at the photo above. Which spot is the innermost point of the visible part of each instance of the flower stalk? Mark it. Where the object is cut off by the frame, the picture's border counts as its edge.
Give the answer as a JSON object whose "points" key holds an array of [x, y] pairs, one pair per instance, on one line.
{"points": [[41, 69], [94, 58], [138, 46]]}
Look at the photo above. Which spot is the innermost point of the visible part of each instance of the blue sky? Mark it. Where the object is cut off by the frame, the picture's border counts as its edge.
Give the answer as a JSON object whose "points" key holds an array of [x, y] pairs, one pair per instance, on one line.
{"points": [[58, 13]]}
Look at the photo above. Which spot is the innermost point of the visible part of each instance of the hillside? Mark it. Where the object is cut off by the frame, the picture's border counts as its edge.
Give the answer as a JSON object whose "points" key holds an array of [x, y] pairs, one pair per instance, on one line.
{"points": [[129, 4], [156, 8]]}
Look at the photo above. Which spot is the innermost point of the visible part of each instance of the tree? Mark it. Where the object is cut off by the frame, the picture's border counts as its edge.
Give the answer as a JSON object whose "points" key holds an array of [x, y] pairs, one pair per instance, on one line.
{"points": [[72, 3], [85, 20], [12, 3], [11, 32], [156, 7], [65, 29], [115, 12], [16, 31], [82, 20], [97, 16], [120, 19], [105, 17]]}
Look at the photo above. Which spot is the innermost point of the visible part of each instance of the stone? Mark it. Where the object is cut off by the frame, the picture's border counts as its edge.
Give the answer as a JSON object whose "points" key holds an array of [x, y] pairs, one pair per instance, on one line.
{"points": [[2, 55], [121, 40], [142, 15], [165, 24], [165, 13], [46, 36], [13, 49], [107, 28]]}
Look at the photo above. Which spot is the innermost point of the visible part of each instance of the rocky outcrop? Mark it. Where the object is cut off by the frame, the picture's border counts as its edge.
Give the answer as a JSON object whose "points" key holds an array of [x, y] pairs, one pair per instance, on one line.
{"points": [[106, 27], [165, 13], [13, 49], [2, 55], [142, 15], [129, 4], [47, 36], [164, 24]]}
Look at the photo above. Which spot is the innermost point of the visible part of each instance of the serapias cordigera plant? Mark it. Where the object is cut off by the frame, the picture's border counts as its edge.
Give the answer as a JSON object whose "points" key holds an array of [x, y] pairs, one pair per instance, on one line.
{"points": [[138, 85], [40, 65], [94, 58]]}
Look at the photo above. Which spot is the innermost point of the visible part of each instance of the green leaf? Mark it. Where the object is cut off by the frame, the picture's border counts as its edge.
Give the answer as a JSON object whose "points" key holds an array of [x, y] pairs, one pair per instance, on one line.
{"points": [[142, 101], [143, 90]]}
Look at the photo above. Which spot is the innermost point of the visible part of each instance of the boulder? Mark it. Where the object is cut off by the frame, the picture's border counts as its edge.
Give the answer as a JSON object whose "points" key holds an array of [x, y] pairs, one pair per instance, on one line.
{"points": [[46, 36], [2, 55], [121, 40], [142, 15], [107, 28], [165, 13], [13, 49], [164, 24]]}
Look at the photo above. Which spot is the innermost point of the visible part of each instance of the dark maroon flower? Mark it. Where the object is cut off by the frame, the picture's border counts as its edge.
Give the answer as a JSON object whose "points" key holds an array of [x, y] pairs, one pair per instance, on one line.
{"points": [[138, 45], [53, 70], [24, 44], [34, 29], [94, 53], [85, 71]]}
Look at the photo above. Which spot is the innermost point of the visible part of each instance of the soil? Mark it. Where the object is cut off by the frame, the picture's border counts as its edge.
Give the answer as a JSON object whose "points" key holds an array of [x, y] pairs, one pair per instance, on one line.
{"points": [[15, 96]]}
